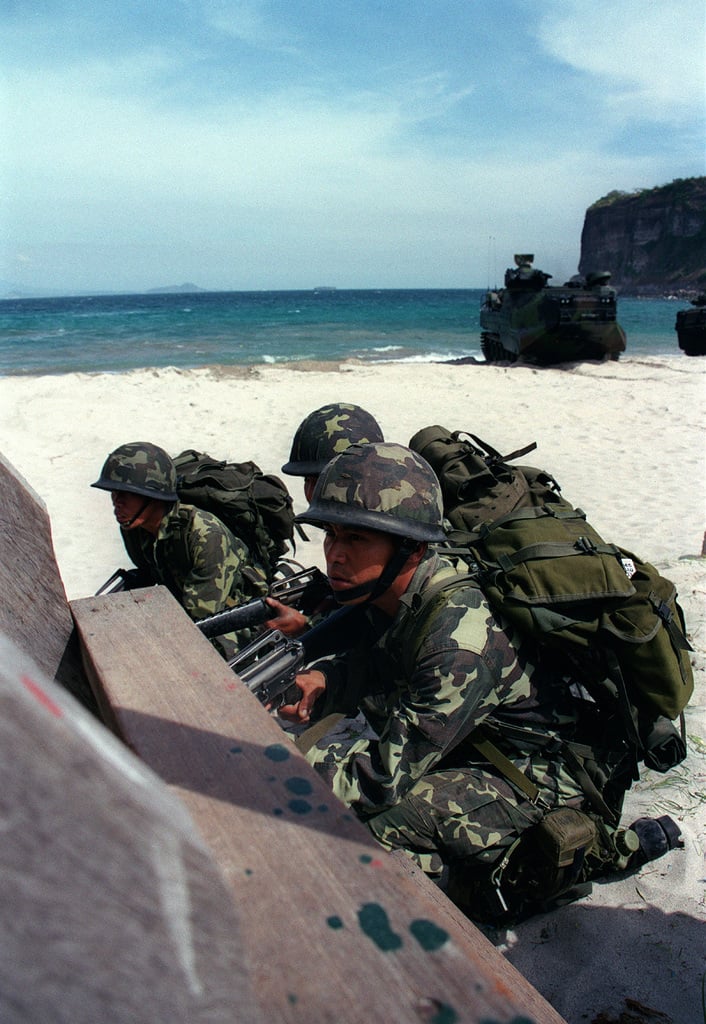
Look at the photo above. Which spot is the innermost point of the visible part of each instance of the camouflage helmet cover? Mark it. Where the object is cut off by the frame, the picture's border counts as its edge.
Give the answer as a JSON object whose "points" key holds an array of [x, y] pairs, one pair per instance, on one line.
{"points": [[140, 468], [327, 432], [383, 486]]}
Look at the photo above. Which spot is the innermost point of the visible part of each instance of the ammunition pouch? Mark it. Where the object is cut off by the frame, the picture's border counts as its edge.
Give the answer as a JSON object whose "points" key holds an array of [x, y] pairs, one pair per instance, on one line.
{"points": [[548, 859], [544, 868]]}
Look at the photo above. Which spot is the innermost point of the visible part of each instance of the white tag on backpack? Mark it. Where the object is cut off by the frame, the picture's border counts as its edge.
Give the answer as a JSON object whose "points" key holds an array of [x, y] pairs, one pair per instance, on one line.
{"points": [[629, 567]]}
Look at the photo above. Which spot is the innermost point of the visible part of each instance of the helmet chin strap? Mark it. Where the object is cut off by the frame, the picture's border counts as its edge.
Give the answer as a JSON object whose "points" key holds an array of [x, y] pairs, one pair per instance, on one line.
{"points": [[137, 515], [374, 588]]}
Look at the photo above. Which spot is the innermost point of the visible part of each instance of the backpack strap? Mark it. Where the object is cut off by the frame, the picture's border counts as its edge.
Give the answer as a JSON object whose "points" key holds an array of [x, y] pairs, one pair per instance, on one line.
{"points": [[554, 550], [480, 740], [532, 512], [560, 549], [176, 545], [574, 756], [495, 455]]}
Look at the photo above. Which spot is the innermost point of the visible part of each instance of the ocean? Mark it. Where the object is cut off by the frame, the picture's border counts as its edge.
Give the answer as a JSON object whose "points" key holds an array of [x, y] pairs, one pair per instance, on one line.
{"points": [[116, 333]]}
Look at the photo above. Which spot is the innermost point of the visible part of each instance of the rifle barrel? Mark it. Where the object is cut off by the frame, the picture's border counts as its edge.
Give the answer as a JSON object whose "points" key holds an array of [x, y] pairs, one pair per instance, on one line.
{"points": [[251, 614]]}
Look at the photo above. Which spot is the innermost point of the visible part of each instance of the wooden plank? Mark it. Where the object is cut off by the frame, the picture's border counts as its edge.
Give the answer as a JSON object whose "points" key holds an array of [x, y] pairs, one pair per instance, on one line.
{"points": [[336, 928], [112, 908], [34, 612]]}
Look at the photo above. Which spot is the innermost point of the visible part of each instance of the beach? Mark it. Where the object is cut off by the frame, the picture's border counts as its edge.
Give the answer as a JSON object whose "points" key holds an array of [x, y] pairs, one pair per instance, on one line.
{"points": [[626, 442]]}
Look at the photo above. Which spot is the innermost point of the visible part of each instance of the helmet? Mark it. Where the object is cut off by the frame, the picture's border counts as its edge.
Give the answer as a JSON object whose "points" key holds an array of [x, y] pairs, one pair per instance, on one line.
{"points": [[383, 486], [141, 468], [327, 432]]}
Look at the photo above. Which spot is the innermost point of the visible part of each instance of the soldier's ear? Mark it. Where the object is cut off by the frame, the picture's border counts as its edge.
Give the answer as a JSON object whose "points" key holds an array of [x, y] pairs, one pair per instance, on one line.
{"points": [[418, 552]]}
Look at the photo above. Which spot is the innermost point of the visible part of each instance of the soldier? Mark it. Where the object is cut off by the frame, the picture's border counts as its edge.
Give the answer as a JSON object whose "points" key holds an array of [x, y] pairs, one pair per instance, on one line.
{"points": [[465, 755], [327, 432], [190, 551], [322, 434]]}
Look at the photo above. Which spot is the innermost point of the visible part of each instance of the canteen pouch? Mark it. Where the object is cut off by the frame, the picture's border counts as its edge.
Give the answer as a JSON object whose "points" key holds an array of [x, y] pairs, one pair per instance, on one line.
{"points": [[564, 836], [546, 864]]}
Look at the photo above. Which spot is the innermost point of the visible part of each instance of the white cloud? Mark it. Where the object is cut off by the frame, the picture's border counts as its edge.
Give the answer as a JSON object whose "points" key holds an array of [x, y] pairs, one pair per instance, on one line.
{"points": [[651, 56], [244, 20]]}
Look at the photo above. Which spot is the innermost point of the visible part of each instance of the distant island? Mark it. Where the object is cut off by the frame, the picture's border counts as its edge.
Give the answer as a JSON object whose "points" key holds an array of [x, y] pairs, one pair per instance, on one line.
{"points": [[176, 289]]}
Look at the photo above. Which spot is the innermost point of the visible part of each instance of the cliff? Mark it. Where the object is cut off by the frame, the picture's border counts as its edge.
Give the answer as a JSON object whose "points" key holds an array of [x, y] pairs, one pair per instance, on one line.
{"points": [[652, 241]]}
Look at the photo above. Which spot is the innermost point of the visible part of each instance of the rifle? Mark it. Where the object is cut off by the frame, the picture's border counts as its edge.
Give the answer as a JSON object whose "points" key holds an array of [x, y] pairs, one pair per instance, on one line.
{"points": [[124, 579], [269, 665], [304, 590]]}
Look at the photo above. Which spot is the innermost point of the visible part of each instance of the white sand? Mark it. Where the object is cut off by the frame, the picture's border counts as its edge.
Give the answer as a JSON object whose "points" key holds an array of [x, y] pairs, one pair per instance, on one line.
{"points": [[626, 442]]}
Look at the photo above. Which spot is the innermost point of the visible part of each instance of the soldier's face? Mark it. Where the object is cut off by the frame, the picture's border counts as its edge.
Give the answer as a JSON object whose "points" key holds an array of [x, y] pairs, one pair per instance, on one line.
{"points": [[126, 507], [355, 557]]}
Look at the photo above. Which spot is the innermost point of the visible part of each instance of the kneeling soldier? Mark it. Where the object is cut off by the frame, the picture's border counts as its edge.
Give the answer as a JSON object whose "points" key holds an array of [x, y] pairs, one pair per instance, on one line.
{"points": [[462, 766], [190, 551]]}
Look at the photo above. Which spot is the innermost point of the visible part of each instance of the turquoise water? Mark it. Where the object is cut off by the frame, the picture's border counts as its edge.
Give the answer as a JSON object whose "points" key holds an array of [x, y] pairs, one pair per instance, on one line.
{"points": [[123, 332]]}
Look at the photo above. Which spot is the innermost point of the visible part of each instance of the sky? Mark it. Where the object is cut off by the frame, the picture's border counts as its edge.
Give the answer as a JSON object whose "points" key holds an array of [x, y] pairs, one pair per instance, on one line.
{"points": [[278, 144]]}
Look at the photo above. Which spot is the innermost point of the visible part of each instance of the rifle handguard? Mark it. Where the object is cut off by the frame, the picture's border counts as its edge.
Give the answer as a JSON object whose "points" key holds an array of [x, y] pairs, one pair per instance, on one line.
{"points": [[252, 614]]}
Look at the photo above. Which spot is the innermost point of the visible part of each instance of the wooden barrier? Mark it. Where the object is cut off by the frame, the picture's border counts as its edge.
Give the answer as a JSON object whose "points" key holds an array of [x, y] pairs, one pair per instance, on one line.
{"points": [[34, 613]]}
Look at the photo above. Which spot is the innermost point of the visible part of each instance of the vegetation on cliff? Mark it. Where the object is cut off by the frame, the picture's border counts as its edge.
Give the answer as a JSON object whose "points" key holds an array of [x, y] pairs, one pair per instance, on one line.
{"points": [[680, 188]]}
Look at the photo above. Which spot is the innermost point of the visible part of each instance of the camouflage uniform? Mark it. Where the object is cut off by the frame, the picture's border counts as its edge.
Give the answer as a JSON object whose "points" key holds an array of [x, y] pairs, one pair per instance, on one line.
{"points": [[474, 763], [421, 786], [205, 566]]}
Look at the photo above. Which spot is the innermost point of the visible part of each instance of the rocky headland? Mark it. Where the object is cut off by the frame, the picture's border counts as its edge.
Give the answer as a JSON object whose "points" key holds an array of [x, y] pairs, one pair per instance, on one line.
{"points": [[653, 241]]}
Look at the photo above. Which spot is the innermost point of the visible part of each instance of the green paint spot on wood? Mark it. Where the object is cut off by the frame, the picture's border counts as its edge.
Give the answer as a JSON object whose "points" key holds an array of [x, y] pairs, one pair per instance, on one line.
{"points": [[334, 922], [444, 1015], [300, 806], [299, 786], [510, 1020], [277, 752], [375, 924], [429, 936], [365, 858]]}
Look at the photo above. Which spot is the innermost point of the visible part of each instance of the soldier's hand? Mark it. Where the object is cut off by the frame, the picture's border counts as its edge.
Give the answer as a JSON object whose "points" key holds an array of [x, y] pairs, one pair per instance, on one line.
{"points": [[312, 684], [286, 619]]}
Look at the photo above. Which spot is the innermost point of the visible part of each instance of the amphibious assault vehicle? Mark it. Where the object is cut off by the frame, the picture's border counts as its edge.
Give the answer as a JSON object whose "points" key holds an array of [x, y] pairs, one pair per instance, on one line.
{"points": [[544, 324], [691, 327]]}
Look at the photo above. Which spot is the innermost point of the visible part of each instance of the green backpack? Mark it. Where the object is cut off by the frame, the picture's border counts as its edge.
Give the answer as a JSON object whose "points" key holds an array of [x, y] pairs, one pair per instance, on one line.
{"points": [[255, 506], [613, 618]]}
